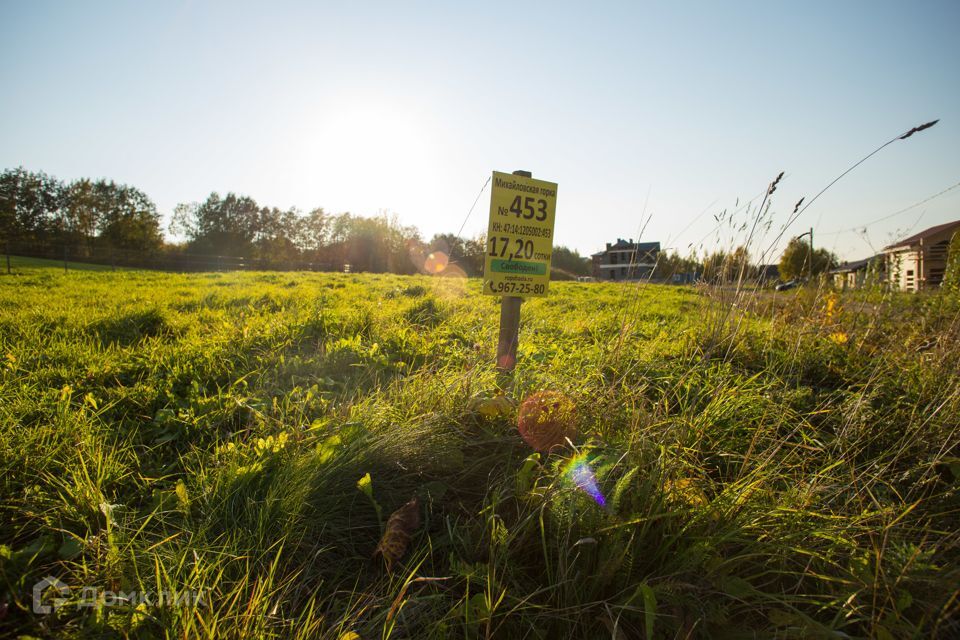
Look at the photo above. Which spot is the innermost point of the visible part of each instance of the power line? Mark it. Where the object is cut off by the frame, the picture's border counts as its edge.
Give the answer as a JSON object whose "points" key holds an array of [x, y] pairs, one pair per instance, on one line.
{"points": [[475, 201], [690, 224], [891, 215], [798, 213]]}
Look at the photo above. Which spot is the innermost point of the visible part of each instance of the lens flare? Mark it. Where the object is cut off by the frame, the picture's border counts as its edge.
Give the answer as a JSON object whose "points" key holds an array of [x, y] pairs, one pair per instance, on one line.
{"points": [[450, 284], [453, 271], [581, 475], [547, 419], [436, 262]]}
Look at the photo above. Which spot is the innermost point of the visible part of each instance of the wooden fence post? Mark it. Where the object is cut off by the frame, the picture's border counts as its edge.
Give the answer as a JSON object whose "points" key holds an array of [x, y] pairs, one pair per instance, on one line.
{"points": [[509, 337]]}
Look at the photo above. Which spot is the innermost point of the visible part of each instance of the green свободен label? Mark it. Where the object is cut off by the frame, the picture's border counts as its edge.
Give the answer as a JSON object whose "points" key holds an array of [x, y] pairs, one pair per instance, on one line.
{"points": [[518, 267]]}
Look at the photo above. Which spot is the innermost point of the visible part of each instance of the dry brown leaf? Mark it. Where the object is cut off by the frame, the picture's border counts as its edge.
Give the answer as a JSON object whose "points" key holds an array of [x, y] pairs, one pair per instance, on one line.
{"points": [[547, 419], [401, 526]]}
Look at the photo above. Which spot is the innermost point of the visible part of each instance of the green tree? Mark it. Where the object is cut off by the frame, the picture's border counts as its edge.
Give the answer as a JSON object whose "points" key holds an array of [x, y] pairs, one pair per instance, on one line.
{"points": [[738, 265], [569, 263], [29, 206], [312, 232], [82, 211], [126, 218], [474, 254], [671, 264], [714, 266], [797, 260], [83, 217], [721, 267], [468, 254], [275, 238], [378, 244], [220, 226], [104, 215]]}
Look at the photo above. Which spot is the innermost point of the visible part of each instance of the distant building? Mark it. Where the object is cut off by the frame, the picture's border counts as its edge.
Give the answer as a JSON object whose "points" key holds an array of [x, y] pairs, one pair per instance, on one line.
{"points": [[920, 261], [852, 275], [626, 260]]}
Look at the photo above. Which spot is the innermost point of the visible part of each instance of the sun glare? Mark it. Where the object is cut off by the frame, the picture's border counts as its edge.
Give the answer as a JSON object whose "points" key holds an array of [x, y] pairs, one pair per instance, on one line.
{"points": [[375, 151]]}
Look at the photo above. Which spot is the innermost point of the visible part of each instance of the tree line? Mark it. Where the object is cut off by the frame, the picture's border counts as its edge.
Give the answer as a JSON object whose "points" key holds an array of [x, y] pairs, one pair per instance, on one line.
{"points": [[41, 215], [98, 220], [83, 217]]}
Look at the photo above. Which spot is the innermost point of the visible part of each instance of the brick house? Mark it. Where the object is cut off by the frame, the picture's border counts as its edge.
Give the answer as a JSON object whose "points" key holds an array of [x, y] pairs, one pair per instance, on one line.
{"points": [[626, 260]]}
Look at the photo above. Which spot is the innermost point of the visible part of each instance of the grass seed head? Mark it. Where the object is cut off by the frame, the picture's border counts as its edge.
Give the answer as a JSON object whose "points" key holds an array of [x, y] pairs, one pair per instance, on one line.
{"points": [[922, 127], [773, 185]]}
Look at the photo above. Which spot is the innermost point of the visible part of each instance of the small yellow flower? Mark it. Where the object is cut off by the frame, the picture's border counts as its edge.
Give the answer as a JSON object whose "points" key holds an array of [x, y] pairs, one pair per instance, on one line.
{"points": [[183, 497], [839, 337], [832, 309]]}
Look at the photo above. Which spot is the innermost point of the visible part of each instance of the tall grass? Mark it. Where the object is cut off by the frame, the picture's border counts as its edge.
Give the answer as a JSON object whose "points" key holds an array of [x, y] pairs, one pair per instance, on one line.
{"points": [[772, 465]]}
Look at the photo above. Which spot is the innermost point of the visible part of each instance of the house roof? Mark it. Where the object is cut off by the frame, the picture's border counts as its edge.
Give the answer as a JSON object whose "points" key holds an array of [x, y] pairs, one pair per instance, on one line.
{"points": [[638, 246], [926, 233], [626, 245], [848, 267]]}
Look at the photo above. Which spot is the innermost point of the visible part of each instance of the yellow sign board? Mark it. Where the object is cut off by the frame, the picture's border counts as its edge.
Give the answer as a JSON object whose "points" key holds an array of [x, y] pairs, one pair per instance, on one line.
{"points": [[519, 236]]}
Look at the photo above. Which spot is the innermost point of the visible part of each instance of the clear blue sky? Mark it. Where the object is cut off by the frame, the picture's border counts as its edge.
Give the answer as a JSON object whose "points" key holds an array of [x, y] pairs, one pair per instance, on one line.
{"points": [[408, 107]]}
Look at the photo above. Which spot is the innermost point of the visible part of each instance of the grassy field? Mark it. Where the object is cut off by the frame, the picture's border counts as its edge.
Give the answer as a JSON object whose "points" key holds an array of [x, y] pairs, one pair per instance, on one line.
{"points": [[770, 466]]}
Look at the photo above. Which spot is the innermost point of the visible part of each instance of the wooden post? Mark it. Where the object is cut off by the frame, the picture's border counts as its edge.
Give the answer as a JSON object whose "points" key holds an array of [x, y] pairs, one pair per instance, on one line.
{"points": [[509, 337], [509, 333]]}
